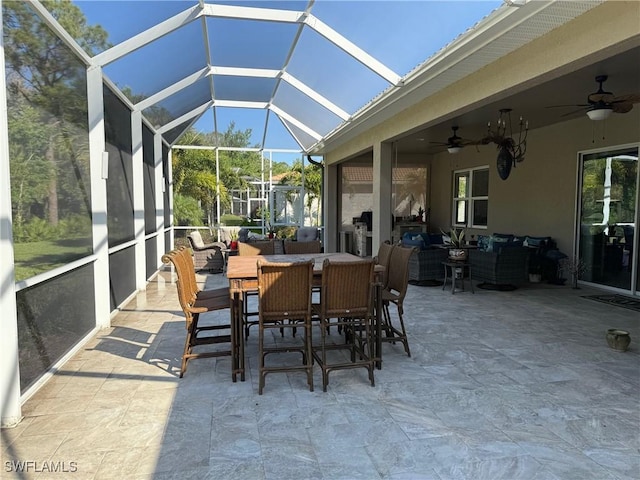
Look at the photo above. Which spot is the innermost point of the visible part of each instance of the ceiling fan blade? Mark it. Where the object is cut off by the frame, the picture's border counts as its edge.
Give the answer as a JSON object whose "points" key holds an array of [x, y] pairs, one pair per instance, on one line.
{"points": [[605, 97], [571, 105], [629, 98], [575, 111], [622, 107]]}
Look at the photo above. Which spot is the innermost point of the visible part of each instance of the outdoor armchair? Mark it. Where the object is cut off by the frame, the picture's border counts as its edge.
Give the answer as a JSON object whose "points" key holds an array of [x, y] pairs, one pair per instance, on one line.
{"points": [[206, 256]]}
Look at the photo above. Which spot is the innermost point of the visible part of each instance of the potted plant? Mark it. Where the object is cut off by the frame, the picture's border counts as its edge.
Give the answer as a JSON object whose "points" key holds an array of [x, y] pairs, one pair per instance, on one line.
{"points": [[456, 244], [233, 236]]}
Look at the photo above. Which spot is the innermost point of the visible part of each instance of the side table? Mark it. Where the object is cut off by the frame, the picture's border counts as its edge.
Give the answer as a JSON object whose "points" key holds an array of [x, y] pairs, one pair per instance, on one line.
{"points": [[457, 272], [228, 252]]}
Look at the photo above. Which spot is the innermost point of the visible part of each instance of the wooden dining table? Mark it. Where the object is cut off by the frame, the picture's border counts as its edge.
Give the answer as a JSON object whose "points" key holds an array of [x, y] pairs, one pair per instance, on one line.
{"points": [[242, 272]]}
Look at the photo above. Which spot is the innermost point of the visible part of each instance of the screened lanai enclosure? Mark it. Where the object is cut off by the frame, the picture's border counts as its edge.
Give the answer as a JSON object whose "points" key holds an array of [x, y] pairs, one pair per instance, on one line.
{"points": [[123, 125], [103, 98]]}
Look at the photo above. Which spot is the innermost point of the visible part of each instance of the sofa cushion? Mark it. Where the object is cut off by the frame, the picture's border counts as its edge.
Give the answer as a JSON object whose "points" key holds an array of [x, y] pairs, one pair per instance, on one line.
{"points": [[537, 242], [497, 242], [416, 239], [507, 237]]}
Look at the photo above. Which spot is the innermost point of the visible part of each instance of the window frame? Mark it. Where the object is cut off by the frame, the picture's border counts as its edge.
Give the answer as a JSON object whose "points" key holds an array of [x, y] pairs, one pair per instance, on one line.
{"points": [[469, 198]]}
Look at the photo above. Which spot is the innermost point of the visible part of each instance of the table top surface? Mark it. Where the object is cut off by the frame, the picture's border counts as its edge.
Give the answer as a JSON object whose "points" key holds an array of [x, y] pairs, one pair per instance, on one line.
{"points": [[246, 266]]}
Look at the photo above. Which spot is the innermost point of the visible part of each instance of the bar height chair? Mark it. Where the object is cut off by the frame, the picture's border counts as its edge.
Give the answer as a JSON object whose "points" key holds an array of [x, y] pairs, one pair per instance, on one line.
{"points": [[193, 305], [397, 279], [252, 248], [346, 300], [284, 294]]}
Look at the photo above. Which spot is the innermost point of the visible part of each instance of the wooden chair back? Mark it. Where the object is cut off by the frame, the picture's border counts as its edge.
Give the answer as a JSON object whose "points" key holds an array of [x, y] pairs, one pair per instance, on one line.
{"points": [[256, 248], [347, 289], [383, 257], [284, 290], [294, 247], [398, 271]]}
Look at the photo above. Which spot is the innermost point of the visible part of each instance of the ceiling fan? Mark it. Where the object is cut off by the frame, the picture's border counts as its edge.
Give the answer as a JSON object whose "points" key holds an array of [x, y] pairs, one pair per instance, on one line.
{"points": [[601, 104], [455, 143]]}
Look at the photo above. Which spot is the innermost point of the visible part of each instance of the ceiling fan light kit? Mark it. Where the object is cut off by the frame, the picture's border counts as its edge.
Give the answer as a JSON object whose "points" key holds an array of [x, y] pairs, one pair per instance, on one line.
{"points": [[599, 113], [455, 143]]}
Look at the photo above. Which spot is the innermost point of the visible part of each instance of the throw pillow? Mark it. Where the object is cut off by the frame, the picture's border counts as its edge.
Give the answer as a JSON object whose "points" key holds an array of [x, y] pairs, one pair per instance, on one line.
{"points": [[496, 242], [483, 243]]}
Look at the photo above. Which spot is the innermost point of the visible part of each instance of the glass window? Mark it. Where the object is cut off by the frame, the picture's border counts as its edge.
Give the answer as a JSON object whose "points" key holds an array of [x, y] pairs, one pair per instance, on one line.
{"points": [[48, 145], [608, 209], [471, 198]]}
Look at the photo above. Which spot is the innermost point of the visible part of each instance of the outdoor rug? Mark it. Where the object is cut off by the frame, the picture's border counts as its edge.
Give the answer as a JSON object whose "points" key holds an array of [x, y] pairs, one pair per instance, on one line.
{"points": [[617, 300]]}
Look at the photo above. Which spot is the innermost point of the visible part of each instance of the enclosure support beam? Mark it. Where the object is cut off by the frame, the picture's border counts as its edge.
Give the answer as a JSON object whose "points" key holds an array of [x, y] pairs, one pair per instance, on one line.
{"points": [[10, 370]]}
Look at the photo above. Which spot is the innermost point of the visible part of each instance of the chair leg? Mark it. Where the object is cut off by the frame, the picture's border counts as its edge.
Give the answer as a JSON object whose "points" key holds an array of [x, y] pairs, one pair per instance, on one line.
{"points": [[404, 339], [261, 371], [188, 343], [391, 332], [309, 350]]}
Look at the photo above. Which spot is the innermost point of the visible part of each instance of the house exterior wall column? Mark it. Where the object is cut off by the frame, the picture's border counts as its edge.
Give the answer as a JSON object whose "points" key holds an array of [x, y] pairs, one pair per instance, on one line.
{"points": [[382, 184], [331, 207]]}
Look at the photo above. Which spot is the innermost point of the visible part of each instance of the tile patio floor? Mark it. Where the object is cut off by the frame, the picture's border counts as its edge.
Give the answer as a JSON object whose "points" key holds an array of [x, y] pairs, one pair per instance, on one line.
{"points": [[500, 385]]}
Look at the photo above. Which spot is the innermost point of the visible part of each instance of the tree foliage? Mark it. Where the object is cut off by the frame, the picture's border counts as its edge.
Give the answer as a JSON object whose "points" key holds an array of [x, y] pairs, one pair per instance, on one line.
{"points": [[47, 107]]}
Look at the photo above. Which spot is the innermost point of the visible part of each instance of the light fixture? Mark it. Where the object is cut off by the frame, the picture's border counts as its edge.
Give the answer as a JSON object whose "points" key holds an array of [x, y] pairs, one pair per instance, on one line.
{"points": [[454, 149], [510, 151], [601, 113]]}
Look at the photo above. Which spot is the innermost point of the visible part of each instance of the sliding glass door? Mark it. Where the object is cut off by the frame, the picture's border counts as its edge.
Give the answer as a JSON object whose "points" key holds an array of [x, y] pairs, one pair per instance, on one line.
{"points": [[608, 218]]}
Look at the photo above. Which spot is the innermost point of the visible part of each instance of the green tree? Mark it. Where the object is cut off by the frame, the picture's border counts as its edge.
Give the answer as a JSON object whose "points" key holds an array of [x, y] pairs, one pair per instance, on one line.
{"points": [[194, 174], [42, 71], [186, 211]]}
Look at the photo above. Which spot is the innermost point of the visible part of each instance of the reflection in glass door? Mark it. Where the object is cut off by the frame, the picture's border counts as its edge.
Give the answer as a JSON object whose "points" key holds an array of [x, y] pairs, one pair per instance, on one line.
{"points": [[607, 240]]}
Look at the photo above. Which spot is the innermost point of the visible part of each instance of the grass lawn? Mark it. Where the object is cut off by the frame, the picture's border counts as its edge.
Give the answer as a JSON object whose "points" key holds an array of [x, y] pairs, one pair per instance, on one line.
{"points": [[38, 257]]}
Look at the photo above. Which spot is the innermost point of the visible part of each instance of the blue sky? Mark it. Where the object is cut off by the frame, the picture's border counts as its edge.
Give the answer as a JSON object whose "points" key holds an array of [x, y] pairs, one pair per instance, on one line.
{"points": [[400, 34]]}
